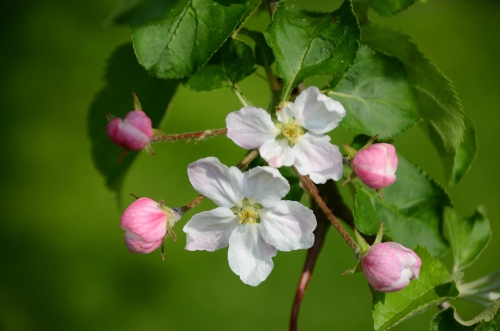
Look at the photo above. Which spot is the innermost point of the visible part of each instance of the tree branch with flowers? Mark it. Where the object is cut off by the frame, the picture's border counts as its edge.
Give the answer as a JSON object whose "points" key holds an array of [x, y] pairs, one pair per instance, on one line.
{"points": [[380, 86]]}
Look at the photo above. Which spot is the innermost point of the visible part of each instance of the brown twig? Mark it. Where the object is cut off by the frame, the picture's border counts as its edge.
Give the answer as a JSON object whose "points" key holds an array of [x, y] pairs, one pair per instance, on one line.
{"points": [[312, 255], [188, 136], [332, 198], [309, 186]]}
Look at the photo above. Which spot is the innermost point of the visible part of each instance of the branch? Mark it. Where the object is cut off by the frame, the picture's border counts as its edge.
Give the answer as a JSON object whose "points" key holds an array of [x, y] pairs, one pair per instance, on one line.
{"points": [[331, 196]]}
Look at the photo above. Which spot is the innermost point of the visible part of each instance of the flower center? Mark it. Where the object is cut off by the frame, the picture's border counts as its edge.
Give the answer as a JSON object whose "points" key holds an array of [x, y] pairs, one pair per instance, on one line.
{"points": [[248, 213], [292, 131]]}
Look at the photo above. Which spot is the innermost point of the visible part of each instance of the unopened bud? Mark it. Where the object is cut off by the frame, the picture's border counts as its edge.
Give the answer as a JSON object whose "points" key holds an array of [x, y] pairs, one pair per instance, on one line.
{"points": [[147, 223], [133, 133], [376, 165], [389, 267]]}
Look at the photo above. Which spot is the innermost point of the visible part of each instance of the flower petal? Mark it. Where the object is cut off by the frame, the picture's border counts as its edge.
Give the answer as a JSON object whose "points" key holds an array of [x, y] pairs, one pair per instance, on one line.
{"points": [[216, 181], [319, 159], [136, 245], [288, 225], [249, 255], [289, 110], [250, 127], [277, 153], [210, 230], [264, 185], [321, 113]]}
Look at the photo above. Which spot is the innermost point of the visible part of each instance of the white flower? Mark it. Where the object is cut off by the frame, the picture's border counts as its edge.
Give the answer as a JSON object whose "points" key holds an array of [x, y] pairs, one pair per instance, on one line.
{"points": [[251, 218], [297, 138]]}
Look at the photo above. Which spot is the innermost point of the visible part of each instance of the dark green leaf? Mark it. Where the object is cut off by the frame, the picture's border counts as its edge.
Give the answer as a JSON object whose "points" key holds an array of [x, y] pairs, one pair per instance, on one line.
{"points": [[123, 76], [263, 53], [439, 106], [377, 95], [431, 288], [469, 236], [185, 36], [390, 7], [232, 62], [488, 320], [412, 209], [136, 12], [308, 44]]}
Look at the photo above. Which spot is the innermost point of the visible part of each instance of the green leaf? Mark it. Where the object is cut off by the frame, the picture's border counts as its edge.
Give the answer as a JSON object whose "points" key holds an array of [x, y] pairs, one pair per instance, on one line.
{"points": [[412, 209], [439, 106], [185, 36], [431, 288], [123, 76], [264, 55], [377, 95], [488, 320], [307, 44], [465, 154], [136, 12], [390, 7], [469, 236], [232, 62]]}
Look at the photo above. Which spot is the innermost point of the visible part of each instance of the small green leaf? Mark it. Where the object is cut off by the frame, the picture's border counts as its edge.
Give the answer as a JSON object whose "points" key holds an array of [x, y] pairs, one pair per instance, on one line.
{"points": [[445, 321], [377, 95], [412, 209], [123, 76], [390, 7], [232, 62], [469, 237], [439, 106], [185, 36], [307, 44], [433, 287], [264, 55], [465, 154], [488, 320]]}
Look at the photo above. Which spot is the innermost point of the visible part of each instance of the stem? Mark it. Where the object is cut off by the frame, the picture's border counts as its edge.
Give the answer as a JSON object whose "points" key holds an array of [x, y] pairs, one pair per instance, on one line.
{"points": [[192, 203], [308, 185], [244, 101], [189, 136], [312, 256]]}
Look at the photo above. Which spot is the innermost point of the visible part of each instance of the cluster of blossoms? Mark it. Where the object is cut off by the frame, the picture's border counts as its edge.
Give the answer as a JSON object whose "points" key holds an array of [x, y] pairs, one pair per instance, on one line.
{"points": [[251, 218]]}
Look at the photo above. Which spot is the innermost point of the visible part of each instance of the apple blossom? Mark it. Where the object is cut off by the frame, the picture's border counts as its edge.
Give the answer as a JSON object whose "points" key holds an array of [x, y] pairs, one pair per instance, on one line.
{"points": [[389, 266], [147, 223], [376, 165], [133, 133], [297, 137], [251, 218]]}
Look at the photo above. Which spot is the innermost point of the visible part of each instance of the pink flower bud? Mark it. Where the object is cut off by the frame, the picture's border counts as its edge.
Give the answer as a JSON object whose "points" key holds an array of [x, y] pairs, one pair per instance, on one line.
{"points": [[376, 165], [146, 223], [134, 132], [389, 267]]}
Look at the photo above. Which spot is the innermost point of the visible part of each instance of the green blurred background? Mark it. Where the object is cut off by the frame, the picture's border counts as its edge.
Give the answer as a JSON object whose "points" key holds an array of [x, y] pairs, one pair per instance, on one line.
{"points": [[63, 264]]}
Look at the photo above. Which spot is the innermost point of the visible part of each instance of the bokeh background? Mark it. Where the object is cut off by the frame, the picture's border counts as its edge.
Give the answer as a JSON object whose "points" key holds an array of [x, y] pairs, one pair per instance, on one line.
{"points": [[63, 264]]}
